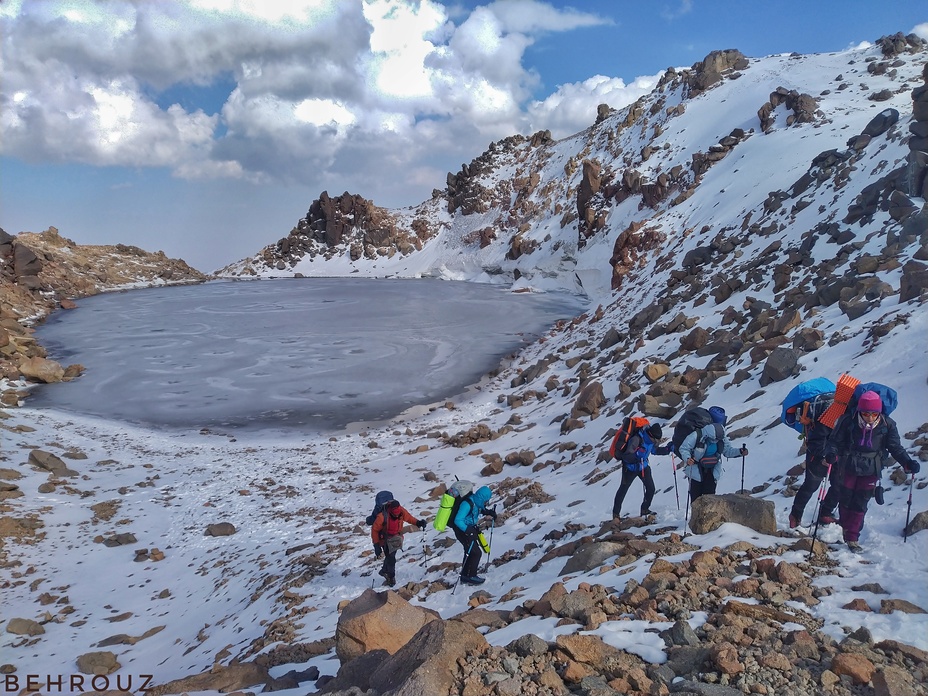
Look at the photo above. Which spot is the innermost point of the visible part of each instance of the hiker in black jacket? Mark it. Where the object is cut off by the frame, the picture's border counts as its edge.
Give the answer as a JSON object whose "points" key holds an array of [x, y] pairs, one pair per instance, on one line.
{"points": [[864, 440], [816, 470], [635, 465]]}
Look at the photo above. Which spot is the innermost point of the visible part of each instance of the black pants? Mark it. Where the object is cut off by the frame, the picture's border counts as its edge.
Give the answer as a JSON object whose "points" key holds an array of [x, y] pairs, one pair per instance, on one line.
{"points": [[390, 546], [816, 470], [388, 570], [472, 553], [627, 478], [704, 487]]}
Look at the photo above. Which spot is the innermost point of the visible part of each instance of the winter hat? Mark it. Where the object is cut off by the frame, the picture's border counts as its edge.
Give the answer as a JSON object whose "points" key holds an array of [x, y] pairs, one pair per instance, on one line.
{"points": [[870, 401], [655, 431], [718, 414]]}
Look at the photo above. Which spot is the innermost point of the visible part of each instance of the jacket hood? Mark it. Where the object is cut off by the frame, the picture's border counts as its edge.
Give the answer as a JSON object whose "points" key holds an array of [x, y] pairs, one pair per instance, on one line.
{"points": [[481, 497]]}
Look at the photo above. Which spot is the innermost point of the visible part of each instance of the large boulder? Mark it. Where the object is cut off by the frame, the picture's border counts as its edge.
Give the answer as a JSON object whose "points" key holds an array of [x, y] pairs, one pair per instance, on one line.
{"points": [[594, 652], [590, 400], [914, 280], [41, 370], [25, 261], [881, 123], [50, 463], [591, 556], [375, 620], [427, 663], [236, 677], [781, 364], [712, 511]]}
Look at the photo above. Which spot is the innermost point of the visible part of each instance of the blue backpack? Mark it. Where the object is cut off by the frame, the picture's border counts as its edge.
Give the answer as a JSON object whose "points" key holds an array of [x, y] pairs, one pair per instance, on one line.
{"points": [[380, 500], [887, 395], [806, 402]]}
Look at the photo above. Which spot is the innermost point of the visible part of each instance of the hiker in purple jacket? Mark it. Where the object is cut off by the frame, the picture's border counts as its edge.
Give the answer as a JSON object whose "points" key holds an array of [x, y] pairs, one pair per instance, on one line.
{"points": [[864, 440]]}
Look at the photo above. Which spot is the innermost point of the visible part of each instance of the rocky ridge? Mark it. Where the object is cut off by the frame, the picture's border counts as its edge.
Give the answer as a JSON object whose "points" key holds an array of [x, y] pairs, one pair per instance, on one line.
{"points": [[44, 272]]}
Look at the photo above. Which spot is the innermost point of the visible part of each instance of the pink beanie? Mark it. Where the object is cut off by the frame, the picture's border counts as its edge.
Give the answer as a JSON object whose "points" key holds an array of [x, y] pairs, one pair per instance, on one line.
{"points": [[870, 401]]}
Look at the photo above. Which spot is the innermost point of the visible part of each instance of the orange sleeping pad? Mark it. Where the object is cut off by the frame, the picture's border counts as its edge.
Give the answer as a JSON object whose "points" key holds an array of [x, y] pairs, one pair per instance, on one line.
{"points": [[843, 394]]}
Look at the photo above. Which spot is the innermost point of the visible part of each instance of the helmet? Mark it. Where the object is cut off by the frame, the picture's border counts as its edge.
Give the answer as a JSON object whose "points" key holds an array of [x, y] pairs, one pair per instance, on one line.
{"points": [[870, 401], [718, 415]]}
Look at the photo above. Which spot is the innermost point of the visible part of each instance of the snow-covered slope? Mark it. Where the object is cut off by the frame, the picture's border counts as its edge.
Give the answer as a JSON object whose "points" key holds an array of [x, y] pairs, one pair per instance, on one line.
{"points": [[730, 261]]}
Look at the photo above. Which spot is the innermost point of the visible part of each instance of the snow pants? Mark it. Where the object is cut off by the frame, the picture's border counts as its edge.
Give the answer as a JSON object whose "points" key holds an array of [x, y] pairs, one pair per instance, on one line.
{"points": [[856, 492]]}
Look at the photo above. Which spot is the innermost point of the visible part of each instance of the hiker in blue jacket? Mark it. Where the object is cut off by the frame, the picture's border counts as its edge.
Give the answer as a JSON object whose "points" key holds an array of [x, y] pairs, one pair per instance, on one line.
{"points": [[701, 454], [465, 526], [635, 465]]}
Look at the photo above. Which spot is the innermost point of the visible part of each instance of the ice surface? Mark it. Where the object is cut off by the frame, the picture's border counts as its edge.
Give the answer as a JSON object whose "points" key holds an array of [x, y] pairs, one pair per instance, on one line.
{"points": [[287, 353]]}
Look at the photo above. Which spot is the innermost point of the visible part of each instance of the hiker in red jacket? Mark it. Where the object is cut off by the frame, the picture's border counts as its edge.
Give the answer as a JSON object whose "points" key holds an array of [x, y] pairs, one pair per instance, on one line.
{"points": [[387, 535], [864, 440]]}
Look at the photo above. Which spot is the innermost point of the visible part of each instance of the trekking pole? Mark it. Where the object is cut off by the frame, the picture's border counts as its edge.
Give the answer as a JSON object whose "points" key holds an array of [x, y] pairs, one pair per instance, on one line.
{"points": [[426, 549], [676, 491], [742, 467], [490, 552], [464, 563], [905, 532], [820, 498], [686, 516], [817, 511]]}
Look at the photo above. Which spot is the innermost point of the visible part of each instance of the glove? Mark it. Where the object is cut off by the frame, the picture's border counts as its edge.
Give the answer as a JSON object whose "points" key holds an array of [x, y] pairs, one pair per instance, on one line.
{"points": [[421, 524], [491, 512], [378, 550], [831, 458], [471, 533], [671, 449], [744, 451], [914, 467]]}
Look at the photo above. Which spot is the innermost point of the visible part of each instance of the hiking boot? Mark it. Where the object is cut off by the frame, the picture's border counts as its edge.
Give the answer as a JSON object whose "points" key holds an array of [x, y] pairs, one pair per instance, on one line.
{"points": [[827, 519], [389, 580], [645, 513], [793, 521], [855, 547], [472, 580]]}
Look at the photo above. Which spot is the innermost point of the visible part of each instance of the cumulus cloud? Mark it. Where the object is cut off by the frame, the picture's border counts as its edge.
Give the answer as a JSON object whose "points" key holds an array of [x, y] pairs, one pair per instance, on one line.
{"points": [[577, 103], [310, 87]]}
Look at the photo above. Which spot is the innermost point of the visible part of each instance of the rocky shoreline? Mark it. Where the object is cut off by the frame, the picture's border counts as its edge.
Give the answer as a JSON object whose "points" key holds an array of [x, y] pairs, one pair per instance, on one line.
{"points": [[43, 272]]}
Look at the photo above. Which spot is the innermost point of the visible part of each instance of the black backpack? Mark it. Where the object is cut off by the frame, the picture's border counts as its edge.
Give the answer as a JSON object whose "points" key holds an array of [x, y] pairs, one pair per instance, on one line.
{"points": [[694, 419], [380, 500]]}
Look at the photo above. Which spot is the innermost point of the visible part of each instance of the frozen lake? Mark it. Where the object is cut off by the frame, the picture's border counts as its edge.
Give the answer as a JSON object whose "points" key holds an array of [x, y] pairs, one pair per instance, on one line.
{"points": [[314, 354]]}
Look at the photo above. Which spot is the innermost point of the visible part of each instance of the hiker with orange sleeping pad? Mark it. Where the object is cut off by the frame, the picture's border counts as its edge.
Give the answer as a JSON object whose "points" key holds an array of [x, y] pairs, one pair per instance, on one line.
{"points": [[864, 439]]}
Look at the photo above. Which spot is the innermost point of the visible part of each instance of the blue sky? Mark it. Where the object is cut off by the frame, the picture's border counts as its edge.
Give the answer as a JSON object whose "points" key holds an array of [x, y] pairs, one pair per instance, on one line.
{"points": [[206, 128]]}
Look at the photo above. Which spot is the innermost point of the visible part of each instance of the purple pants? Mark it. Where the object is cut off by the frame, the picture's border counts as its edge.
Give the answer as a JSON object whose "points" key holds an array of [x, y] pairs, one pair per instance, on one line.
{"points": [[856, 492]]}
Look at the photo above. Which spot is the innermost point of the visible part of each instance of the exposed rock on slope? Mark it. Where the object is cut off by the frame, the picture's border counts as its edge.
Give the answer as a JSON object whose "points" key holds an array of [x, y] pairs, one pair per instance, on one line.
{"points": [[42, 272]]}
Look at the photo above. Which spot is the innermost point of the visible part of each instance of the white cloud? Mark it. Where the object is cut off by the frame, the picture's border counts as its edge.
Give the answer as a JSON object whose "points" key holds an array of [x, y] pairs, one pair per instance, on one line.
{"points": [[576, 103], [921, 30], [311, 79]]}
